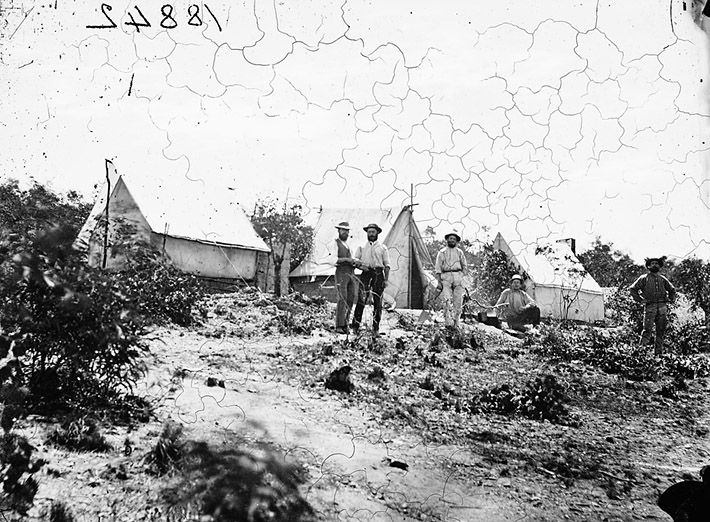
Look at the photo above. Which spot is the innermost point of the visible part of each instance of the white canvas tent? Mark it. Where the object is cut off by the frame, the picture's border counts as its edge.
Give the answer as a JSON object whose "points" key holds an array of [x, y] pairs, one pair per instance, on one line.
{"points": [[408, 280], [556, 279], [205, 234]]}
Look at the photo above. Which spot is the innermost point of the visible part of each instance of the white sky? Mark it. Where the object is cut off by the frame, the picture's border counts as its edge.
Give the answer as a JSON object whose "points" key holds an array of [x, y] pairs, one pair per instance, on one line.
{"points": [[538, 119]]}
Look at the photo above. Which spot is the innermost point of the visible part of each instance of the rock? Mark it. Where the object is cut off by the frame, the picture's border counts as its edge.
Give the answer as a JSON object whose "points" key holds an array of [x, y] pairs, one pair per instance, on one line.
{"points": [[212, 382], [377, 374], [339, 380]]}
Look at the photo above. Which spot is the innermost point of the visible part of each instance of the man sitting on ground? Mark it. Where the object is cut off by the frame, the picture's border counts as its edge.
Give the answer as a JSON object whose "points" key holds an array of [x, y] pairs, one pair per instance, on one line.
{"points": [[521, 308]]}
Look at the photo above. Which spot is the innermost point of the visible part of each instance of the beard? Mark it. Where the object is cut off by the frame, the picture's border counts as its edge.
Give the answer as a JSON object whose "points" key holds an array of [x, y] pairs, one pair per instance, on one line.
{"points": [[654, 269]]}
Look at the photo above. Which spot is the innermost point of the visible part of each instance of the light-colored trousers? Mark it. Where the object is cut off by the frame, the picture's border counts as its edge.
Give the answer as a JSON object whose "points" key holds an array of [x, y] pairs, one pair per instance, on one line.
{"points": [[452, 295]]}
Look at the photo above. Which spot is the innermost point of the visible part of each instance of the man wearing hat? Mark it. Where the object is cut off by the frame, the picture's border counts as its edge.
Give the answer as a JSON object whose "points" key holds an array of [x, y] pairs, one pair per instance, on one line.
{"points": [[450, 267], [654, 291], [340, 256], [374, 261], [520, 308]]}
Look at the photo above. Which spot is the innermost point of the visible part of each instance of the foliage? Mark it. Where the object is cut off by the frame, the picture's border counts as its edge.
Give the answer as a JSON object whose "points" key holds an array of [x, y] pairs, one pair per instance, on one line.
{"points": [[17, 468], [490, 272], [72, 334], [608, 266], [540, 399], [300, 315], [232, 484], [23, 213], [168, 450], [79, 433], [621, 309], [689, 337], [59, 512], [692, 277], [155, 288], [615, 352], [280, 226], [17, 471]]}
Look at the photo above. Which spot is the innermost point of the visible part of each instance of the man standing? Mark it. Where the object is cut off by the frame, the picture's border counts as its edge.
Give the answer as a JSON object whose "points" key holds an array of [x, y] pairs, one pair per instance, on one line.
{"points": [[520, 308], [450, 267], [339, 255], [654, 291], [375, 264]]}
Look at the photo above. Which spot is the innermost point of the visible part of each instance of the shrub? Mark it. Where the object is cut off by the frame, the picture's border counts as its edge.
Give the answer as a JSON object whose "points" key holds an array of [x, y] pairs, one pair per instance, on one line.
{"points": [[540, 399], [75, 333], [168, 450], [17, 470], [59, 512], [79, 433], [299, 317], [617, 351], [621, 309], [77, 341], [231, 484]]}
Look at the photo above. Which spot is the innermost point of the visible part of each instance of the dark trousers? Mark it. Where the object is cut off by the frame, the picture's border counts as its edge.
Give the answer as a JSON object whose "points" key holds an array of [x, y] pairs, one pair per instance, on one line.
{"points": [[655, 314], [528, 316], [371, 281], [346, 285]]}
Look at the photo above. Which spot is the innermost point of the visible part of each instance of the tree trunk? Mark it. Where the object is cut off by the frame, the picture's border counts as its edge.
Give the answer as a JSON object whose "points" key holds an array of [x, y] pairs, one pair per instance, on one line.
{"points": [[277, 276]]}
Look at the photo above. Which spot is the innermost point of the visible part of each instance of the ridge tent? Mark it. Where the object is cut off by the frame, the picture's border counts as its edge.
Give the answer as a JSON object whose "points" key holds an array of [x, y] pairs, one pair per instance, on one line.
{"points": [[207, 235], [561, 287], [408, 280]]}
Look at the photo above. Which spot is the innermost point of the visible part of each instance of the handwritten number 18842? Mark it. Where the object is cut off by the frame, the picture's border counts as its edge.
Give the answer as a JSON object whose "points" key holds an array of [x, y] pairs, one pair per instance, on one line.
{"points": [[168, 21]]}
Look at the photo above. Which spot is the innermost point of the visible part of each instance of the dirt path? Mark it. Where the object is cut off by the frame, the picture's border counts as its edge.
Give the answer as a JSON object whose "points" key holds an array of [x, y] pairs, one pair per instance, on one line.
{"points": [[393, 450], [344, 449]]}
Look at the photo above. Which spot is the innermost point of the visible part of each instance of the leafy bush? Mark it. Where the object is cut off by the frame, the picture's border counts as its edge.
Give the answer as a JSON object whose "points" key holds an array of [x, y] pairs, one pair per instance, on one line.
{"points": [[70, 328], [168, 450], [616, 351], [79, 433], [621, 309], [157, 290], [72, 334], [59, 512], [231, 484], [17, 468], [689, 337], [539, 399], [300, 317]]}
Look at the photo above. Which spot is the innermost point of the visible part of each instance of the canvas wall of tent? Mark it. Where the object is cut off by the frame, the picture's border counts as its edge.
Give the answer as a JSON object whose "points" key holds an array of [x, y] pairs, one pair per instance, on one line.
{"points": [[556, 280], [204, 232], [409, 281]]}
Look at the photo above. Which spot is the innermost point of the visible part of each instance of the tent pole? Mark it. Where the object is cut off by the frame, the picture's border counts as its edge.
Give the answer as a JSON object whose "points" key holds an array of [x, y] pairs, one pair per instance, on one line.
{"points": [[108, 196]]}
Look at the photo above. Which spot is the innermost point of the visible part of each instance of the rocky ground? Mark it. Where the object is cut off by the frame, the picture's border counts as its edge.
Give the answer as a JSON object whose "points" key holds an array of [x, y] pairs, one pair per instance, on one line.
{"points": [[412, 431]]}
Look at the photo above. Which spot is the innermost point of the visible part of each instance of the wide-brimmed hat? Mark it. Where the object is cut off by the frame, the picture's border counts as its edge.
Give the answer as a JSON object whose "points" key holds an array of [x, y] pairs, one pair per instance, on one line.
{"points": [[661, 260], [373, 225], [454, 233], [343, 224], [516, 276]]}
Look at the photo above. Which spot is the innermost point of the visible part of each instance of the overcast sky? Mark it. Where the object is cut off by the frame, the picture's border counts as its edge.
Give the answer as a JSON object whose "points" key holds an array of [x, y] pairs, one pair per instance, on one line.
{"points": [[541, 119]]}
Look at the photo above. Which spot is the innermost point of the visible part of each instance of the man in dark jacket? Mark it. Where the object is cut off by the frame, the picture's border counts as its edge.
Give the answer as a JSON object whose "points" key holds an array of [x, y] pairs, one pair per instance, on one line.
{"points": [[654, 291], [340, 256]]}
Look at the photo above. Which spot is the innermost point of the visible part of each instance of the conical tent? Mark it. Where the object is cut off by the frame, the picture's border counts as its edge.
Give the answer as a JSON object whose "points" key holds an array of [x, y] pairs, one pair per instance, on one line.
{"points": [[408, 280], [556, 280], [202, 234]]}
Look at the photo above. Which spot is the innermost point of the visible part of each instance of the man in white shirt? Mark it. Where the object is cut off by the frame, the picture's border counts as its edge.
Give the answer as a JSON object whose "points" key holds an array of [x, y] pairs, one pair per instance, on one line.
{"points": [[373, 259], [521, 308], [340, 256], [450, 268]]}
